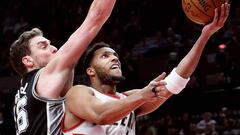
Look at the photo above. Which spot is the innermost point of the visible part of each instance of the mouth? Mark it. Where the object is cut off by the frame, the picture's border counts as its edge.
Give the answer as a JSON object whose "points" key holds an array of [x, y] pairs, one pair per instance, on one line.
{"points": [[115, 66]]}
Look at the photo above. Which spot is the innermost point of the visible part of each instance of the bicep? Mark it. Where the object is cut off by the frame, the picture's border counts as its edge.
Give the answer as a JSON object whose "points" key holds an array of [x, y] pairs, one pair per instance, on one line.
{"points": [[82, 103], [52, 84]]}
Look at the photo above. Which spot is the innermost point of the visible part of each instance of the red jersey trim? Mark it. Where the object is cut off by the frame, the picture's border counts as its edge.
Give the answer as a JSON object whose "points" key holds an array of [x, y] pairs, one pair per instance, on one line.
{"points": [[125, 94], [110, 95], [71, 128]]}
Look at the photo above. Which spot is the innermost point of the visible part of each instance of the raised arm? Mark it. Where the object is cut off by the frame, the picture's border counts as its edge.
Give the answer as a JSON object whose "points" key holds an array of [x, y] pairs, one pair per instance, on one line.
{"points": [[178, 78], [71, 51], [189, 63], [57, 76]]}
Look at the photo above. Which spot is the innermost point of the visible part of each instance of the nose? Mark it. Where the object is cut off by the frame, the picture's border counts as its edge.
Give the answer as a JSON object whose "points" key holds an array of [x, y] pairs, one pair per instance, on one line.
{"points": [[53, 49], [115, 58]]}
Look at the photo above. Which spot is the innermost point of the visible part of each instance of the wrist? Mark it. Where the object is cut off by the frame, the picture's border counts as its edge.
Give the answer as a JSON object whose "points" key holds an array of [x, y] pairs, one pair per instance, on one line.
{"points": [[143, 95], [206, 34], [175, 83]]}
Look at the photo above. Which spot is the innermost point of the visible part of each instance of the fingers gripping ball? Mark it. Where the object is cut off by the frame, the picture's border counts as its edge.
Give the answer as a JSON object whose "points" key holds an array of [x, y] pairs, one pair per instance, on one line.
{"points": [[201, 11]]}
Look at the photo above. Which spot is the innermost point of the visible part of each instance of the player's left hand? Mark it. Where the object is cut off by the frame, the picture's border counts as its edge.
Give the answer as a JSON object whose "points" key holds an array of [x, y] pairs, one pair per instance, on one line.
{"points": [[219, 19]]}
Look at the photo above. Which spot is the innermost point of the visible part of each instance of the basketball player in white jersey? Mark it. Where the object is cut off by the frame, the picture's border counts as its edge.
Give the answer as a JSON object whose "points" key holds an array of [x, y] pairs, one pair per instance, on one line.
{"points": [[99, 109], [47, 74]]}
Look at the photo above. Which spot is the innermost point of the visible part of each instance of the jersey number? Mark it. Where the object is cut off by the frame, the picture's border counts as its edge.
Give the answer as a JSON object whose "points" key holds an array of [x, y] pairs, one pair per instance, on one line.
{"points": [[22, 115]]}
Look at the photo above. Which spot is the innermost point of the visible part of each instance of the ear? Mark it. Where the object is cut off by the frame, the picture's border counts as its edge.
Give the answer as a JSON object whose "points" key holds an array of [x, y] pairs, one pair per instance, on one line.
{"points": [[90, 71], [27, 61]]}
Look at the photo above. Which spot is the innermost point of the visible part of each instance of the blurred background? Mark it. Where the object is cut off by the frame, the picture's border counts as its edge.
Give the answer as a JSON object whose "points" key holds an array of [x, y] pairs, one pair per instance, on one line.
{"points": [[151, 36]]}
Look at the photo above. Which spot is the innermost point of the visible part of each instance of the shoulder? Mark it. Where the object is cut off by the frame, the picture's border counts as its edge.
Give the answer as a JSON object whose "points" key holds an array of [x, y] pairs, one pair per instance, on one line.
{"points": [[79, 89]]}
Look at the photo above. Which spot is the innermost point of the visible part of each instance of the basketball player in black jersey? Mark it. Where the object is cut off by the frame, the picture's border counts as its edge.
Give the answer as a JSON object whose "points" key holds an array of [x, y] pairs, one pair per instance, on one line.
{"points": [[47, 73], [101, 109]]}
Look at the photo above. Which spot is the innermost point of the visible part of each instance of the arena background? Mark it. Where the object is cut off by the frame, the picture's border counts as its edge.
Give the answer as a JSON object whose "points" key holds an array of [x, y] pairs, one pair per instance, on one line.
{"points": [[151, 36]]}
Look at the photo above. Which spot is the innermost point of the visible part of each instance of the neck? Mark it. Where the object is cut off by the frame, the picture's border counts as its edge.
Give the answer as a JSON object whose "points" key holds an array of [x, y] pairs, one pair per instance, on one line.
{"points": [[29, 69]]}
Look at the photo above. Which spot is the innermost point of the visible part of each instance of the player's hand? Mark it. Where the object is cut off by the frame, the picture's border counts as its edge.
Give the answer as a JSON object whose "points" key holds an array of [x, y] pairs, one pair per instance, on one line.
{"points": [[155, 89], [218, 21]]}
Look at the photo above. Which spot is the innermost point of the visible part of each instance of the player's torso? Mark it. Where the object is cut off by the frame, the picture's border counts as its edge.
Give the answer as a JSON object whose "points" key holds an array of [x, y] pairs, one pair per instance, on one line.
{"points": [[33, 114], [126, 126]]}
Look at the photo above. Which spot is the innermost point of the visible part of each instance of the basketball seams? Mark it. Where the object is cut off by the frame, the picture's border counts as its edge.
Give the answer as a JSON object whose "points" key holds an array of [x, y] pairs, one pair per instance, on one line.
{"points": [[199, 9], [189, 13]]}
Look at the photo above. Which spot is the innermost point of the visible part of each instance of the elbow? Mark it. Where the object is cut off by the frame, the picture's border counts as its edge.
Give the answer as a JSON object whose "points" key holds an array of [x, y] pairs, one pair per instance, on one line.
{"points": [[100, 18], [99, 15]]}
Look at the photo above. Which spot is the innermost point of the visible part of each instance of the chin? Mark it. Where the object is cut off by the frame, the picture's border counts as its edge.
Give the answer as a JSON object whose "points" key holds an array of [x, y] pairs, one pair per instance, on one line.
{"points": [[117, 73], [118, 78]]}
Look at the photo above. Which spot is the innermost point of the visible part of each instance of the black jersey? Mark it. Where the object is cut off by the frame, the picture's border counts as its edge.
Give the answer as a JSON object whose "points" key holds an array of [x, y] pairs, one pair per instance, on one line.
{"points": [[35, 115]]}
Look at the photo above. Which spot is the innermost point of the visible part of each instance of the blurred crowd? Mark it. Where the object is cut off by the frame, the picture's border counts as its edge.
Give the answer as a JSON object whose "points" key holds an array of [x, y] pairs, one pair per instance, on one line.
{"points": [[147, 34], [222, 122]]}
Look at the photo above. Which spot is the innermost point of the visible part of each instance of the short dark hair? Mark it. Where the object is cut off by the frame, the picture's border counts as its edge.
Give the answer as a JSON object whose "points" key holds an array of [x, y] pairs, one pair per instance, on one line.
{"points": [[20, 48], [90, 53]]}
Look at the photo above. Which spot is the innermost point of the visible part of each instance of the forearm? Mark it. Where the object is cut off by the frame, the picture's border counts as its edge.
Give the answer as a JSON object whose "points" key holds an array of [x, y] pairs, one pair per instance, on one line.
{"points": [[178, 78], [101, 9], [112, 111], [77, 43], [98, 14], [149, 107], [189, 63]]}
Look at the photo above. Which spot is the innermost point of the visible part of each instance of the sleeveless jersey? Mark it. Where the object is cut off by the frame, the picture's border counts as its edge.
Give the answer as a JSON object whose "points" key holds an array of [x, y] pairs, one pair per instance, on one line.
{"points": [[125, 126], [35, 115]]}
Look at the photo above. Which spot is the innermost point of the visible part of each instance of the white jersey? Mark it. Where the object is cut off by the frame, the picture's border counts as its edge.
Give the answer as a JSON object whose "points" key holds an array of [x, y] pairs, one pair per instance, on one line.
{"points": [[125, 126]]}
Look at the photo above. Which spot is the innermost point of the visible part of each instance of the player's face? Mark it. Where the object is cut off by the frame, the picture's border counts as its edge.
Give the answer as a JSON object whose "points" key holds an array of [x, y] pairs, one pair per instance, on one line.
{"points": [[41, 51], [107, 65]]}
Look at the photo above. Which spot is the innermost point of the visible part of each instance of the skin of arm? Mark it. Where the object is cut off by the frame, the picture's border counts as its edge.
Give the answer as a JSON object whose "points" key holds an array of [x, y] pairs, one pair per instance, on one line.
{"points": [[81, 104], [189, 63], [57, 77]]}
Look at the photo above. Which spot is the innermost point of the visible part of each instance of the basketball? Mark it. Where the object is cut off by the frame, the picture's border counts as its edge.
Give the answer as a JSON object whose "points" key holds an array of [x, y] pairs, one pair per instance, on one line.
{"points": [[201, 11]]}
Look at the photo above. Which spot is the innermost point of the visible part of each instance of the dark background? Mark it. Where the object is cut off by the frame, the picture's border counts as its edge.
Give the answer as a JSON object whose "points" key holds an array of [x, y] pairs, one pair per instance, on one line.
{"points": [[151, 36]]}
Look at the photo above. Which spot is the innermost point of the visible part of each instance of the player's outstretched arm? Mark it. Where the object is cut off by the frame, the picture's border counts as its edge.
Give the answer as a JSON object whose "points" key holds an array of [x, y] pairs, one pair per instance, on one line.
{"points": [[180, 75], [59, 71], [189, 63], [77, 43]]}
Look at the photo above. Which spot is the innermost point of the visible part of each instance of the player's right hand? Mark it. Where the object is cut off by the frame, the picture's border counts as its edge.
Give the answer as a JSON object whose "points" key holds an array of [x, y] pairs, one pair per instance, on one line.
{"points": [[153, 90]]}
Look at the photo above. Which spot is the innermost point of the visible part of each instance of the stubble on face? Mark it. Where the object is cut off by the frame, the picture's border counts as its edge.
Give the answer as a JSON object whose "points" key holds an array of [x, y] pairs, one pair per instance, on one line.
{"points": [[107, 78], [39, 51]]}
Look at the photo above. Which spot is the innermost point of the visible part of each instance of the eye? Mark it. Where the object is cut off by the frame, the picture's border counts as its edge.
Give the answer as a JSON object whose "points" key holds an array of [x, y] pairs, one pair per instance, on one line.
{"points": [[104, 56], [43, 46]]}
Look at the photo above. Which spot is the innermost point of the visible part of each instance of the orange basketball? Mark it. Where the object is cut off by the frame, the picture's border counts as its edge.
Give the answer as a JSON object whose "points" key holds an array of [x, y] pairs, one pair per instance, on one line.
{"points": [[201, 11]]}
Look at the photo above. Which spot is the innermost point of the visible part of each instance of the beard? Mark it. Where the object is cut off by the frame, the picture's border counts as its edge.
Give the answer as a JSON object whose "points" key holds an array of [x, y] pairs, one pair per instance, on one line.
{"points": [[108, 79]]}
